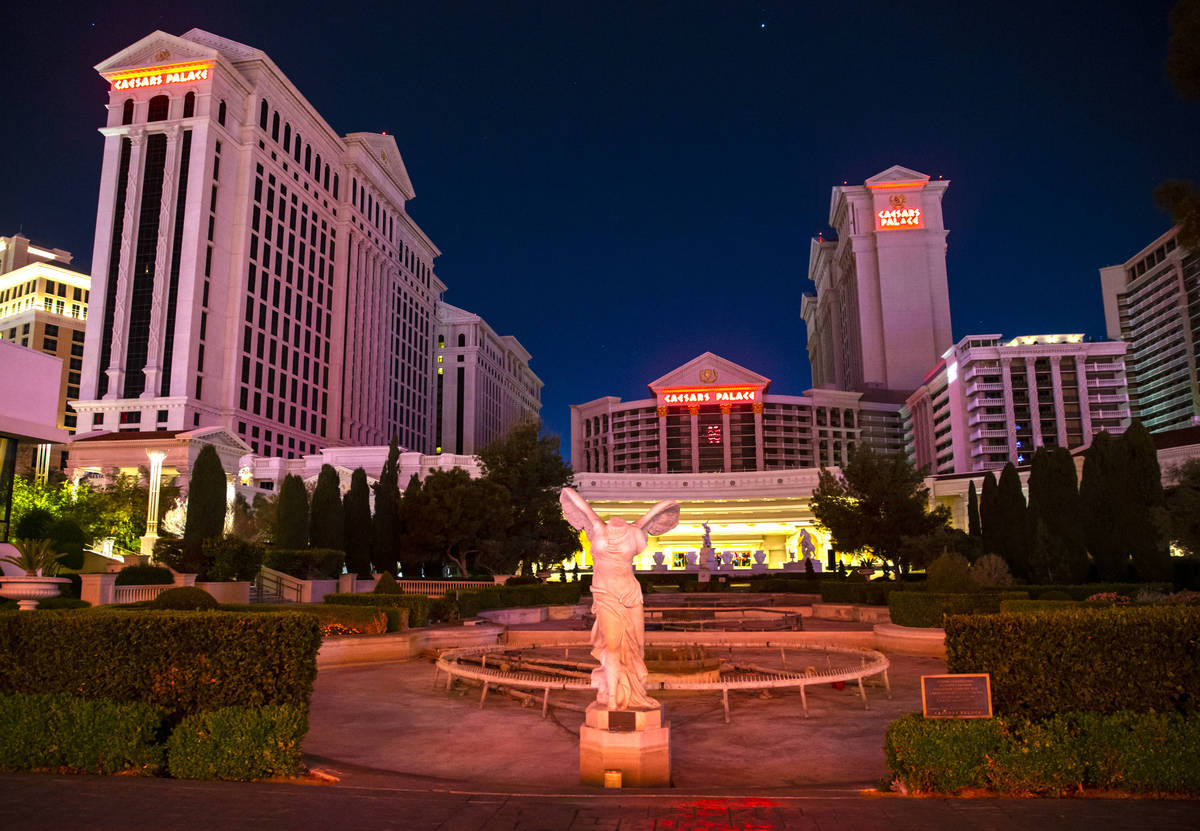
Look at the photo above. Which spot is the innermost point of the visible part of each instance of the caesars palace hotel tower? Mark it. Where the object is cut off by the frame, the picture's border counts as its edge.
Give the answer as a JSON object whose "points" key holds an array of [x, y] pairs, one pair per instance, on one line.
{"points": [[252, 268]]}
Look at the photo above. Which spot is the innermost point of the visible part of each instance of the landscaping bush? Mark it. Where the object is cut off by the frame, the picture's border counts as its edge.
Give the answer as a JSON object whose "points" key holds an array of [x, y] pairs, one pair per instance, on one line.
{"points": [[1100, 660], [418, 605], [990, 572], [230, 558], [1085, 590], [85, 736], [238, 743], [950, 573], [386, 584], [185, 557], [784, 585], [858, 591], [927, 609], [524, 580], [145, 576], [181, 662], [471, 603], [52, 603], [1055, 594], [1026, 605], [184, 599], [306, 564], [1146, 752], [356, 620]]}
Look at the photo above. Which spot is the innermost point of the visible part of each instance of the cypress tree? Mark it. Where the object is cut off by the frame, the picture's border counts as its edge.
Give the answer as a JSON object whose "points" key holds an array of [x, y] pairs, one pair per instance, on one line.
{"points": [[1101, 500], [206, 498], [385, 525], [1059, 553], [974, 528], [987, 515], [1012, 523], [326, 519], [357, 519], [291, 514], [1143, 505], [412, 545]]}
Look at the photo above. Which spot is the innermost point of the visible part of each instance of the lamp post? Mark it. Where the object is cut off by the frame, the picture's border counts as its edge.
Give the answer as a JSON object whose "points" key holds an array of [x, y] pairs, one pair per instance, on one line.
{"points": [[151, 535]]}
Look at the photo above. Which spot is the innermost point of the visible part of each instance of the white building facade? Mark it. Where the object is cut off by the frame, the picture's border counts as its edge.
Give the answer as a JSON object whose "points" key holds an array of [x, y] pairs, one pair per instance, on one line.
{"points": [[254, 269], [483, 386], [989, 401], [881, 314], [1152, 302]]}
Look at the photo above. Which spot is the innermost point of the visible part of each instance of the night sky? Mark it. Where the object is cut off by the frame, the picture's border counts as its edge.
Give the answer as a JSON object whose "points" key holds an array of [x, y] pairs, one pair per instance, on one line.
{"points": [[623, 186]]}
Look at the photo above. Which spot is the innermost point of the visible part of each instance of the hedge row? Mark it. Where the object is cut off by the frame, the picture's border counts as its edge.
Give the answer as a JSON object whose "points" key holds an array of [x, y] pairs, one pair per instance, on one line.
{"points": [[928, 608], [364, 620], [306, 564], [144, 576], [65, 732], [181, 662], [49, 604], [471, 603], [417, 605], [1086, 659], [872, 593], [1148, 752], [1085, 590]]}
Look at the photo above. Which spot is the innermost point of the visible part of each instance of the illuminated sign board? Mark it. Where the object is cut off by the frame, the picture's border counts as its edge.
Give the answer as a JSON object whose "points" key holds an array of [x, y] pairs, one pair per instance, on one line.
{"points": [[158, 76], [898, 215], [695, 396]]}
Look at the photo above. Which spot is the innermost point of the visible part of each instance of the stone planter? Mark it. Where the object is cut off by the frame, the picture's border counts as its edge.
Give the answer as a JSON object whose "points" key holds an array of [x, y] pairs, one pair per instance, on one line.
{"points": [[28, 590], [228, 592]]}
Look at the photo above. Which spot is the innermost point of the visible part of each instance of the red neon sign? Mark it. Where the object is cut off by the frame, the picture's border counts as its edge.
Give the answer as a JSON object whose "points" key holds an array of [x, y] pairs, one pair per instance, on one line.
{"points": [[683, 396], [160, 75], [900, 218]]}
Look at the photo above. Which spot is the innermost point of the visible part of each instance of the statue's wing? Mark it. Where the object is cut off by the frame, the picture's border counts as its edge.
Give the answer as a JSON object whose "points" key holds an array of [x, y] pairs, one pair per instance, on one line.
{"points": [[577, 512], [660, 519]]}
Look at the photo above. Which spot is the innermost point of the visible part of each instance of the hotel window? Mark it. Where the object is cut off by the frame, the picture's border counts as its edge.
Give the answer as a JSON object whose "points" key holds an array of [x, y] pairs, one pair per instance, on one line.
{"points": [[262, 115], [189, 105], [275, 127], [287, 138], [159, 109], [127, 112], [296, 148], [221, 113]]}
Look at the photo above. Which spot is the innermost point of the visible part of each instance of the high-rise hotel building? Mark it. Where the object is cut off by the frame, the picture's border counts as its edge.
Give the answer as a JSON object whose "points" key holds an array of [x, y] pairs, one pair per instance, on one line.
{"points": [[1152, 302], [881, 315], [253, 268]]}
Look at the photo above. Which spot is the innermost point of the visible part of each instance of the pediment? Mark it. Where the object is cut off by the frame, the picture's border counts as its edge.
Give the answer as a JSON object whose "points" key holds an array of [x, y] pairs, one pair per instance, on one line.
{"points": [[217, 436], [709, 369], [897, 175], [385, 152], [156, 49]]}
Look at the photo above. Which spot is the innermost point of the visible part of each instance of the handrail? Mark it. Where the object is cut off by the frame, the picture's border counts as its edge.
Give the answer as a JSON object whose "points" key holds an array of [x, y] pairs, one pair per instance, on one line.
{"points": [[283, 586]]}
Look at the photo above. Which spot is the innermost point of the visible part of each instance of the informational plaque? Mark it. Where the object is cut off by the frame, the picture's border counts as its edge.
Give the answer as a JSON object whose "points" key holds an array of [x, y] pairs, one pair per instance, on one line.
{"points": [[967, 695], [622, 721]]}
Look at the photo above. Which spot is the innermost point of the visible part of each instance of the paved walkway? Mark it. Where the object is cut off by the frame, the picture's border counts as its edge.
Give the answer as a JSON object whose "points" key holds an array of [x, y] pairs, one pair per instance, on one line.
{"points": [[64, 803]]}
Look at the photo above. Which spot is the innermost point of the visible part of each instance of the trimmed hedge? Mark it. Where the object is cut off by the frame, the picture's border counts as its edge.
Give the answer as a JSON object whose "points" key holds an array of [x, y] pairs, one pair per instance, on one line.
{"points": [[873, 593], [63, 731], [926, 609], [1146, 752], [184, 599], [366, 620], [1027, 605], [144, 576], [49, 604], [471, 603], [238, 743], [306, 564], [1085, 590], [1092, 660], [417, 605], [182, 662]]}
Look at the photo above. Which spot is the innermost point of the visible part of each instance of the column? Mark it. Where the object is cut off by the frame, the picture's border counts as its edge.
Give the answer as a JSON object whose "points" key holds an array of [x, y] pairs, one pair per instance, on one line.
{"points": [[155, 486], [758, 435], [662, 439], [133, 198], [162, 263], [1010, 417], [1060, 413], [1035, 419], [726, 448], [1085, 400], [694, 417]]}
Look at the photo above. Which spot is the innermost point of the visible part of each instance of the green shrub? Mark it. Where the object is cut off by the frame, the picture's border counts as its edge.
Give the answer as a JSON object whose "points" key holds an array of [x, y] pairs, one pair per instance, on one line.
{"points": [[858, 591], [1100, 660], [184, 599], [230, 558], [784, 585], [1147, 752], [145, 576], [185, 557], [238, 743], [52, 603], [1055, 594], [306, 564], [1026, 605], [1085, 590], [471, 603], [991, 572], [949, 573], [386, 584], [524, 580], [368, 620], [417, 604], [64, 731], [927, 609], [181, 662]]}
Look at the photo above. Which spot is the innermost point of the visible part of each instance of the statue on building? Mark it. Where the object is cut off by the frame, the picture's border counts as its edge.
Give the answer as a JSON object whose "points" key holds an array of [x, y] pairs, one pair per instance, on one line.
{"points": [[807, 548], [707, 543], [618, 635]]}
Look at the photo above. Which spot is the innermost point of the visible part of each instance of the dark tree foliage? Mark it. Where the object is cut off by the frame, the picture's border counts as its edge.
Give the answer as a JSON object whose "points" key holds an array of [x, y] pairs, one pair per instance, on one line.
{"points": [[357, 525], [987, 514], [974, 527], [1183, 508], [1177, 197], [206, 497], [877, 504], [291, 514], [1059, 552], [415, 548], [527, 464], [464, 518], [1143, 504], [1100, 499], [1012, 523], [385, 525], [326, 518]]}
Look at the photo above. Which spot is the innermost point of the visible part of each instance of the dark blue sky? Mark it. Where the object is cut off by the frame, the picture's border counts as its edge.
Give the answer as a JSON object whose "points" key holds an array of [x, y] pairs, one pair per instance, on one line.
{"points": [[625, 185]]}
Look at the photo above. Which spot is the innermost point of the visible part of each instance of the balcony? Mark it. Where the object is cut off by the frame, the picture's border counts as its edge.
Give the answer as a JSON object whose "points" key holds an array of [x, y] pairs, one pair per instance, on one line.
{"points": [[1111, 399], [983, 449], [1093, 383], [979, 435], [981, 386]]}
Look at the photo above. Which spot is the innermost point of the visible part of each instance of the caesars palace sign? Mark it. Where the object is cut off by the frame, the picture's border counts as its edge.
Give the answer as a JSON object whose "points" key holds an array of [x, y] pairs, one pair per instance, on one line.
{"points": [[160, 76], [694, 396]]}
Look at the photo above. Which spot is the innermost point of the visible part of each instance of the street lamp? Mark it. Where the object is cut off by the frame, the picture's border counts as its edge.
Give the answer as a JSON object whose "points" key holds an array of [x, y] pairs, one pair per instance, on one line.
{"points": [[151, 536]]}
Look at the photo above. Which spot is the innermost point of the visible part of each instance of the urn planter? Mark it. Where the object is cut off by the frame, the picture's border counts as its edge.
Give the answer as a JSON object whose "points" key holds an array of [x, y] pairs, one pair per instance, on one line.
{"points": [[30, 589]]}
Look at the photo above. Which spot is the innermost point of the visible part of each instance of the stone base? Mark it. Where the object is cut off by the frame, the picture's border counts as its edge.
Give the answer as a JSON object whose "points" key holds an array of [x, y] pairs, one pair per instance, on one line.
{"points": [[642, 755]]}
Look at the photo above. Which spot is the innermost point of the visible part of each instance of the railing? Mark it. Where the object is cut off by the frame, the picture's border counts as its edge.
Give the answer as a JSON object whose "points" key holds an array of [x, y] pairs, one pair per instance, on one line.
{"points": [[136, 594], [276, 583], [437, 588]]}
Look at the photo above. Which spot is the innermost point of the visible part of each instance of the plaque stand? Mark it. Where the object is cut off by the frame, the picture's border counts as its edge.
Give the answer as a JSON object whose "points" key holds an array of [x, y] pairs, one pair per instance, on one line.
{"points": [[635, 742]]}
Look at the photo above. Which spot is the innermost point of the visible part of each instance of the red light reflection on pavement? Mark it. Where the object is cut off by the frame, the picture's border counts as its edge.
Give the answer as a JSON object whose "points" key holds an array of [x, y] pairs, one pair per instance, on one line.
{"points": [[748, 814]]}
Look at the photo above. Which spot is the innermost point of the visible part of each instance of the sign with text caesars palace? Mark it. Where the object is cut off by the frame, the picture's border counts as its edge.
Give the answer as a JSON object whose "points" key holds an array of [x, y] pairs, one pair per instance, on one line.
{"points": [[695, 396], [160, 75], [898, 216]]}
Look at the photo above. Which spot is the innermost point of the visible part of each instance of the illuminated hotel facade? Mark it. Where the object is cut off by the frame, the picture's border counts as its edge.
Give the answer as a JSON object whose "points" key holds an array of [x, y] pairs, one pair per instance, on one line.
{"points": [[254, 269], [990, 401], [1152, 302]]}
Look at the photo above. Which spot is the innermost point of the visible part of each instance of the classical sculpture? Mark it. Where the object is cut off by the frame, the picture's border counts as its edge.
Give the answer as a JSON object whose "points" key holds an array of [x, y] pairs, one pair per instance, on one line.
{"points": [[707, 542], [618, 635]]}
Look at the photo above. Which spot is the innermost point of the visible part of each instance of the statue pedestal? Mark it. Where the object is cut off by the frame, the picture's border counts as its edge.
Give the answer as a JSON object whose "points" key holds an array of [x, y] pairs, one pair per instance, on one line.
{"points": [[635, 742]]}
